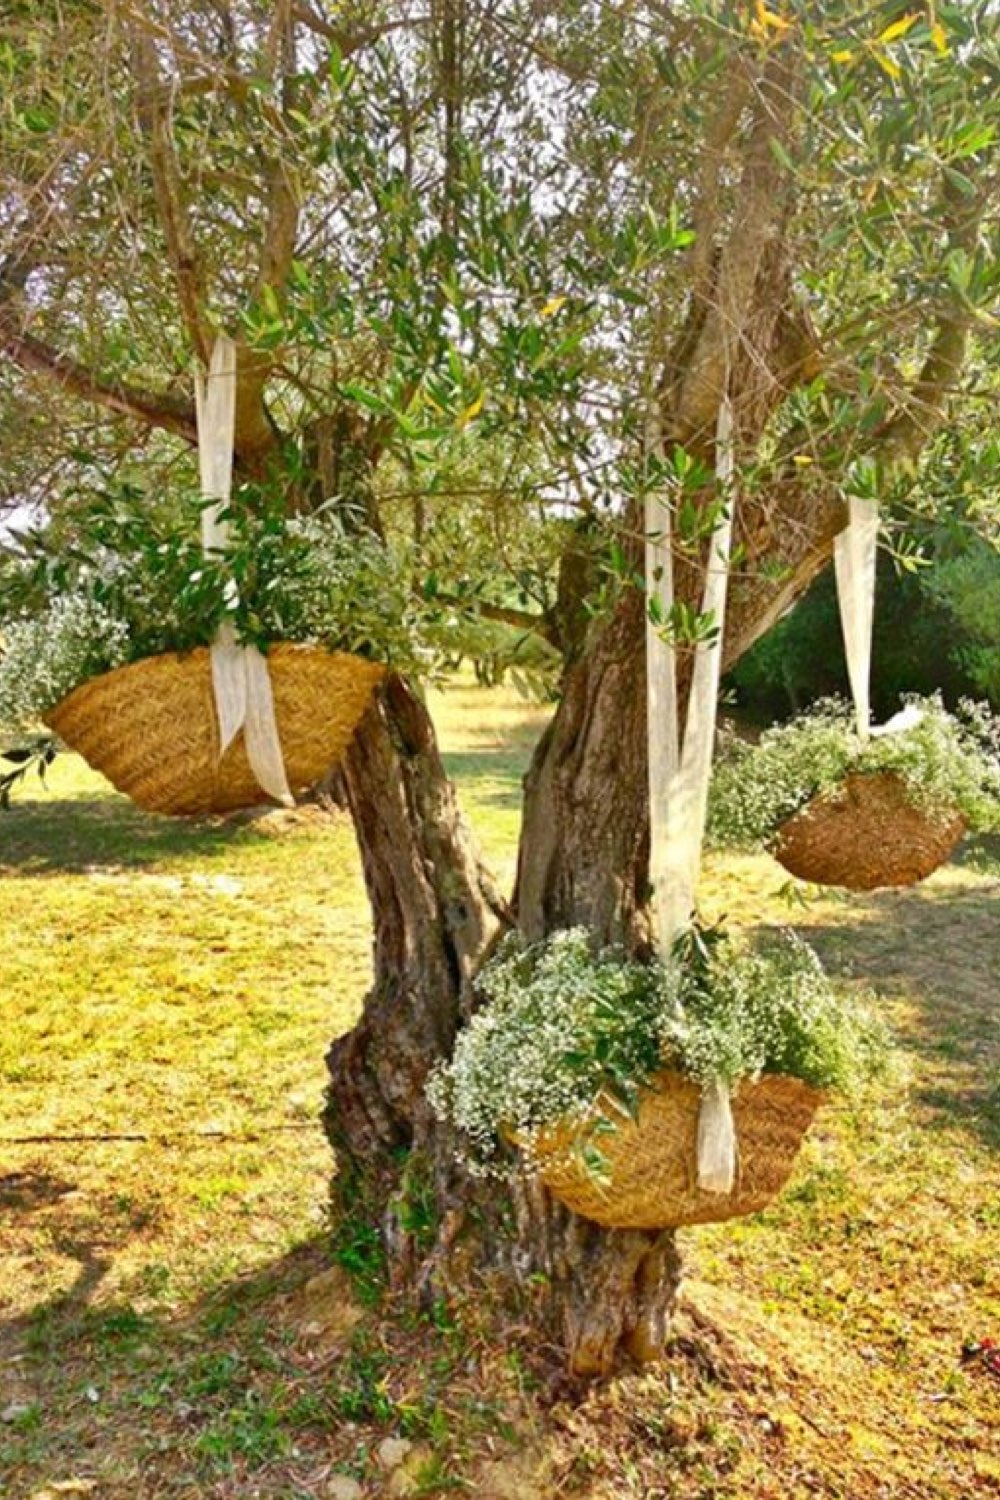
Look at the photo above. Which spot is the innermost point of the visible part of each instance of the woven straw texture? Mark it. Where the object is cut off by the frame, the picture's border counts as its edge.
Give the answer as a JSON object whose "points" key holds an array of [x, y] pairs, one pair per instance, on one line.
{"points": [[867, 833], [151, 728], [649, 1177]]}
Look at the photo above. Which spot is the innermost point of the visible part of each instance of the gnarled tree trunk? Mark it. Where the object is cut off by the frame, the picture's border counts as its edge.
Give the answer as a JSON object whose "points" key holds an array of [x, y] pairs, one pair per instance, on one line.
{"points": [[436, 911], [605, 1294]]}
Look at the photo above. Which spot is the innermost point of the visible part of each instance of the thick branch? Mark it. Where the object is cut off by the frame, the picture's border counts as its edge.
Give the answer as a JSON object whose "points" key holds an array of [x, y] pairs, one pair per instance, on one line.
{"points": [[281, 191], [345, 40], [254, 432], [907, 432], [708, 203], [748, 280], [156, 410]]}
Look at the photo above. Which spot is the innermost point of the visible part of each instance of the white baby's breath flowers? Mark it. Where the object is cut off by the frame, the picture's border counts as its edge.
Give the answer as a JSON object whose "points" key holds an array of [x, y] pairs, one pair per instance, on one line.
{"points": [[308, 580], [950, 762], [559, 1019], [562, 1022]]}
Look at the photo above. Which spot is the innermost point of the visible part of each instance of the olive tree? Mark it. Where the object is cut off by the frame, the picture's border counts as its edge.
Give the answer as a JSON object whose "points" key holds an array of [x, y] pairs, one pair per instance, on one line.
{"points": [[509, 259]]}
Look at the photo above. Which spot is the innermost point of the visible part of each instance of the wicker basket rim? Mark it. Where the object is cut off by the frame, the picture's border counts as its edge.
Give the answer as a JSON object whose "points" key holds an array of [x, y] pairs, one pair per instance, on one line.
{"points": [[605, 1103], [195, 653], [934, 813]]}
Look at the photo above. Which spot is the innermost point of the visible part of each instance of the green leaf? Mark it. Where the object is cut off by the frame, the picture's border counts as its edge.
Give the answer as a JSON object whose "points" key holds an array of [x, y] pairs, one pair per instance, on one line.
{"points": [[371, 400]]}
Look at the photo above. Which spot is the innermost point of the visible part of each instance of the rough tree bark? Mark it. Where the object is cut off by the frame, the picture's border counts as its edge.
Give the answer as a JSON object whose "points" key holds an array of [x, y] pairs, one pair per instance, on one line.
{"points": [[583, 859], [435, 909], [603, 1295]]}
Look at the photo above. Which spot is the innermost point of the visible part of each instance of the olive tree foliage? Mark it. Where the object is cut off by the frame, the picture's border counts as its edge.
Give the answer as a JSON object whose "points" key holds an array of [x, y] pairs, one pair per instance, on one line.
{"points": [[307, 186], [492, 267], [425, 222]]}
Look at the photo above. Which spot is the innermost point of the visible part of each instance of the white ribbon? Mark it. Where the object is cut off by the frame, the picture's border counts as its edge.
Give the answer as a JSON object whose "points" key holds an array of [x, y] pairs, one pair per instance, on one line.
{"points": [[240, 678], [680, 765], [854, 558], [907, 718], [716, 1139]]}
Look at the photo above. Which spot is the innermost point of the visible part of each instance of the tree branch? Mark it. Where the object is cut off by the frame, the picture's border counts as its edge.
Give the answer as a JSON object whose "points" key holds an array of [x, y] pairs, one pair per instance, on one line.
{"points": [[730, 325], [523, 619], [281, 189], [348, 42], [154, 110], [707, 204], [38, 358], [922, 409]]}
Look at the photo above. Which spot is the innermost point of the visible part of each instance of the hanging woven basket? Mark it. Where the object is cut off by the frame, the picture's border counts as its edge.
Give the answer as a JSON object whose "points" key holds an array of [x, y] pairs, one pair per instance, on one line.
{"points": [[151, 728], [865, 834], [648, 1177]]}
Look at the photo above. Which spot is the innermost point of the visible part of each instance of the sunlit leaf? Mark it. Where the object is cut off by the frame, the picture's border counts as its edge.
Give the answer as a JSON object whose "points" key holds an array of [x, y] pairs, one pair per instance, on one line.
{"points": [[888, 65], [472, 410], [769, 20], [940, 38], [897, 29]]}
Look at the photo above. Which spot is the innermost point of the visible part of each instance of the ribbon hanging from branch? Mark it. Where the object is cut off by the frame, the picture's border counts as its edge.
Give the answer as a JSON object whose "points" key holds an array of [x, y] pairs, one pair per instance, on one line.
{"points": [[854, 558], [240, 679], [855, 553], [680, 762]]}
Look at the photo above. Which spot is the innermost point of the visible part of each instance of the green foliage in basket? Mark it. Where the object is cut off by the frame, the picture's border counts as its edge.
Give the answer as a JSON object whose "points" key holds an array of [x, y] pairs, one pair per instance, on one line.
{"points": [[562, 1022], [950, 762], [136, 582]]}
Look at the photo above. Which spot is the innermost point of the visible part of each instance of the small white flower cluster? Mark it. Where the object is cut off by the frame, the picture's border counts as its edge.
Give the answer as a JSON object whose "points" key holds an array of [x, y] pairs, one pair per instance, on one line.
{"points": [[45, 657], [947, 762], [560, 1022], [771, 1009], [309, 581], [563, 1023]]}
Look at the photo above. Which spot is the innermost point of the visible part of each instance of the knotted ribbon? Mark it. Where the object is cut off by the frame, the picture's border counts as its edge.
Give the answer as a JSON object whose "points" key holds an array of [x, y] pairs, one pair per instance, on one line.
{"points": [[854, 557], [680, 763], [240, 678]]}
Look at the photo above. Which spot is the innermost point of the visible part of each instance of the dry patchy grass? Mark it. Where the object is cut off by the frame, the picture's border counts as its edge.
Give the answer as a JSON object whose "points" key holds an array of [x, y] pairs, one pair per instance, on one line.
{"points": [[172, 1327]]}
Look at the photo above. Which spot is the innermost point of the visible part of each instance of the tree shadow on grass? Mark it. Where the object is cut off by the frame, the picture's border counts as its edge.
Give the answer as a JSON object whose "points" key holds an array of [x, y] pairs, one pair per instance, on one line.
{"points": [[75, 835], [124, 1395], [22, 1191], [135, 1400], [940, 949]]}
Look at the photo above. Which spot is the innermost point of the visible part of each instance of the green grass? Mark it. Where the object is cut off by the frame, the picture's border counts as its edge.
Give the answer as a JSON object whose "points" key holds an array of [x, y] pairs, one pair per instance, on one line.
{"points": [[169, 1328]]}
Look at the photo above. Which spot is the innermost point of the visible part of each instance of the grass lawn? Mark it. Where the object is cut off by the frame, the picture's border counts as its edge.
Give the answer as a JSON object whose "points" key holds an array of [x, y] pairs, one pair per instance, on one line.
{"points": [[170, 1324]]}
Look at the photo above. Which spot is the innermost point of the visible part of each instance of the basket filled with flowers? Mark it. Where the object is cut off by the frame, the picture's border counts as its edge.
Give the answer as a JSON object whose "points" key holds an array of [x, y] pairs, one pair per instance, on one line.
{"points": [[116, 649], [836, 810], [596, 1067], [201, 674]]}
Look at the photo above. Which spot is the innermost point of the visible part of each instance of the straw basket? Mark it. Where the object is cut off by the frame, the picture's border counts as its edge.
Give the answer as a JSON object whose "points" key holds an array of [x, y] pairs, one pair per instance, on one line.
{"points": [[151, 728], [648, 1178], [867, 833]]}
